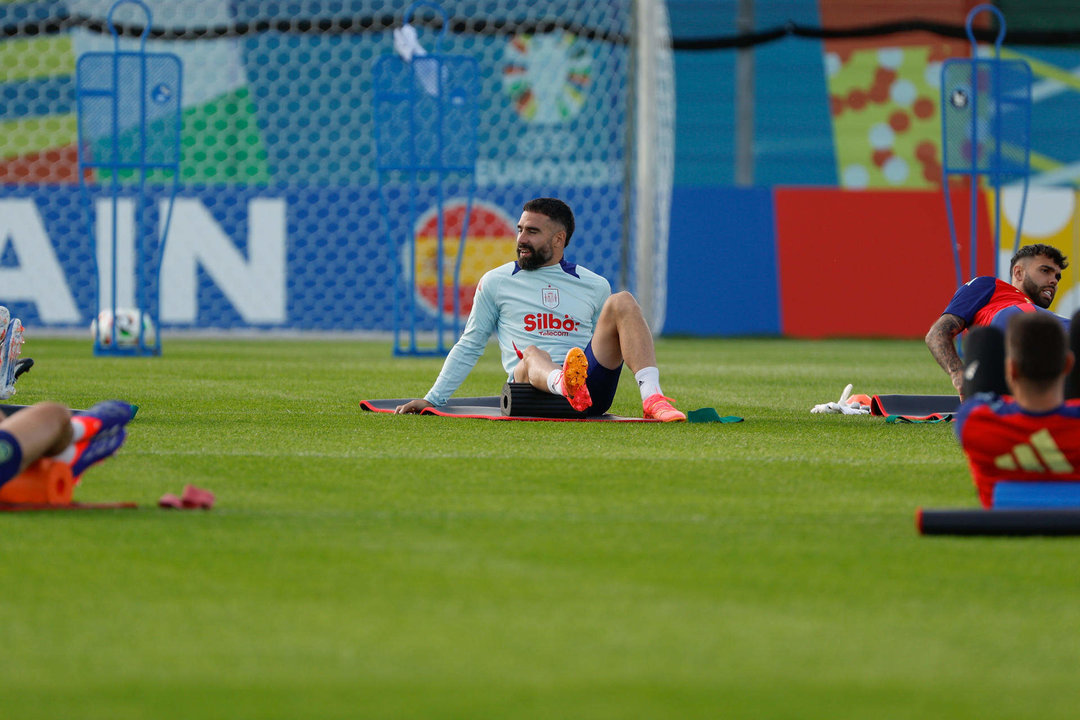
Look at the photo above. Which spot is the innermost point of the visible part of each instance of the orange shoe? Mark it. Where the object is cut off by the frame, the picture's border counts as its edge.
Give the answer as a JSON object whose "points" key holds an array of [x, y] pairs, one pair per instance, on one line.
{"points": [[575, 371], [658, 407]]}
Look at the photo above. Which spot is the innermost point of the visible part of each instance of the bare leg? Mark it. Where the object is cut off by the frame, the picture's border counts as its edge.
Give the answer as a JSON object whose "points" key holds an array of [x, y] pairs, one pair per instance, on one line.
{"points": [[535, 367], [41, 430], [570, 380], [622, 335]]}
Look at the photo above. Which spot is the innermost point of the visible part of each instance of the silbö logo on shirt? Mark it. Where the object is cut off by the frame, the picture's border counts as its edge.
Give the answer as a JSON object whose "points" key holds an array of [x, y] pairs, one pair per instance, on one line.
{"points": [[549, 325]]}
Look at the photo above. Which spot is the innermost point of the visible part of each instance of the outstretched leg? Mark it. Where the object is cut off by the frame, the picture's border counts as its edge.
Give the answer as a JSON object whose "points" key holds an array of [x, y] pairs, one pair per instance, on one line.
{"points": [[41, 430]]}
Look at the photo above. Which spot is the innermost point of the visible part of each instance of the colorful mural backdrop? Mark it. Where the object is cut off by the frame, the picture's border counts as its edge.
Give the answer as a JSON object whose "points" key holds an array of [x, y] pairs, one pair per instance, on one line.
{"points": [[278, 166]]}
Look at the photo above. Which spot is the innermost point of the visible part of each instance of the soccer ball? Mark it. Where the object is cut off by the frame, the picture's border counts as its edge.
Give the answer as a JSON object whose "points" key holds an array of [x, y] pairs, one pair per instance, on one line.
{"points": [[127, 328]]}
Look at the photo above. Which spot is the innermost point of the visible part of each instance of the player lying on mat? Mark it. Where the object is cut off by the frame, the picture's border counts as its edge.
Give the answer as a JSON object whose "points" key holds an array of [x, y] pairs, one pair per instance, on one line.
{"points": [[558, 325], [1035, 433], [50, 430], [1034, 270]]}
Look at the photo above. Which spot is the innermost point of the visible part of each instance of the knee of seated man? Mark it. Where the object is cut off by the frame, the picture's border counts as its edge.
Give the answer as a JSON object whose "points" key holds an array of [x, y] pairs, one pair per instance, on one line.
{"points": [[56, 412], [532, 352], [623, 302]]}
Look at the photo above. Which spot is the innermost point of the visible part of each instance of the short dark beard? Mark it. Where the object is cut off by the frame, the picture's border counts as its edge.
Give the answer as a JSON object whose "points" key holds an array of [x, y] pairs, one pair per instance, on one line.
{"points": [[537, 259], [1032, 291]]}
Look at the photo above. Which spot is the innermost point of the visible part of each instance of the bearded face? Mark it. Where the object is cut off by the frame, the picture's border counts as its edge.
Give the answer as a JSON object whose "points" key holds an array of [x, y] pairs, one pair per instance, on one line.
{"points": [[538, 241], [1039, 278], [1041, 296], [534, 256]]}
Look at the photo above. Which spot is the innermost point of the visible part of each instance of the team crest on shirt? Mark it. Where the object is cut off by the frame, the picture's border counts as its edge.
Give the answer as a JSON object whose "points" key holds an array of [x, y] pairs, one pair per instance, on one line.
{"points": [[549, 296]]}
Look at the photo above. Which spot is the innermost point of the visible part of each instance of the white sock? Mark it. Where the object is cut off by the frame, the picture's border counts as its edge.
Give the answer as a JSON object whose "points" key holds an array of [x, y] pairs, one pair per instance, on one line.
{"points": [[648, 381], [67, 455], [554, 381], [78, 430]]}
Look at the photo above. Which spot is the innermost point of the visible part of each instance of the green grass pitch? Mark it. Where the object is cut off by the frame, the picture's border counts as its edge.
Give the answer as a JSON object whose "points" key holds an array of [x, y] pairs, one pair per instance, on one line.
{"points": [[361, 565]]}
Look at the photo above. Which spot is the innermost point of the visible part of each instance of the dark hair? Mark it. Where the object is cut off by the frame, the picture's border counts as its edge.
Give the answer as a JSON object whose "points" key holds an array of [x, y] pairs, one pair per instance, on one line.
{"points": [[555, 209], [1036, 342], [1039, 249]]}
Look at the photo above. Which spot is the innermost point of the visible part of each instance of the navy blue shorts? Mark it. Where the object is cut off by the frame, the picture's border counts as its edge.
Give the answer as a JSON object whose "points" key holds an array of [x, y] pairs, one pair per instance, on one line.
{"points": [[10, 456], [602, 383]]}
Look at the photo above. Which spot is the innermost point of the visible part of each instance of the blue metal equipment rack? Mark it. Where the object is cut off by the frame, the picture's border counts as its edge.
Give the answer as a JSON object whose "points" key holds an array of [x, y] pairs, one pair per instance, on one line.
{"points": [[425, 135], [986, 131], [129, 120]]}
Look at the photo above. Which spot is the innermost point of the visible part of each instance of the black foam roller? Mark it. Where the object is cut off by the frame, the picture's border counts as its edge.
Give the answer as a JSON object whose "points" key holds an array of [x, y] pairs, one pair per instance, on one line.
{"points": [[523, 400], [984, 361], [998, 522]]}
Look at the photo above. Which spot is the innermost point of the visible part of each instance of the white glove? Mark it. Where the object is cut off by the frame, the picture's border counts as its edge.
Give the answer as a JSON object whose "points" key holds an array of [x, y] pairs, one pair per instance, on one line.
{"points": [[843, 406], [854, 408], [406, 43]]}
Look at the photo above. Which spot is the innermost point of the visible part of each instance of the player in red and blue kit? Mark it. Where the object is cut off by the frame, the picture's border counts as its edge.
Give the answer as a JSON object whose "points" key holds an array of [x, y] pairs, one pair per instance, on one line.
{"points": [[1035, 271], [989, 301], [1034, 435]]}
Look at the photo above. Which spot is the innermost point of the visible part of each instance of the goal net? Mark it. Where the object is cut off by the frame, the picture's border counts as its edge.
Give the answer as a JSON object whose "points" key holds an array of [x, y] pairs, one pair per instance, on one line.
{"points": [[277, 221]]}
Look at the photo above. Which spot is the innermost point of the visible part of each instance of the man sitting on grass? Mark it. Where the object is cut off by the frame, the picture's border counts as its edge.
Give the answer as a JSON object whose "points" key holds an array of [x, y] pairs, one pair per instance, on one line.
{"points": [[50, 430], [1035, 433], [559, 327], [1034, 273]]}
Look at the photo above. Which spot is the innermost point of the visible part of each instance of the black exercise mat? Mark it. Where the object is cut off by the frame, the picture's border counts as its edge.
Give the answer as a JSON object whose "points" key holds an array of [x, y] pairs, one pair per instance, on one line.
{"points": [[485, 408], [914, 406]]}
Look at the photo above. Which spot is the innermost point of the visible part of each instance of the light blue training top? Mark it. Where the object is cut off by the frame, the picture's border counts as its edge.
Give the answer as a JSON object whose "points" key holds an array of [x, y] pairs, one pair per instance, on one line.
{"points": [[554, 307]]}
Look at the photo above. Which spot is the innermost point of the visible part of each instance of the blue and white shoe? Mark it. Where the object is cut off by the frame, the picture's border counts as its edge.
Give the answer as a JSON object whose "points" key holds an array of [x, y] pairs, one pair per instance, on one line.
{"points": [[103, 416], [23, 366], [11, 342], [102, 433], [97, 448]]}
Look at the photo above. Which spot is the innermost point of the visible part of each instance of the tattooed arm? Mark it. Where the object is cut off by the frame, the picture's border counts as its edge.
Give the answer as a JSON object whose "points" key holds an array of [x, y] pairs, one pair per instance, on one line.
{"points": [[941, 341]]}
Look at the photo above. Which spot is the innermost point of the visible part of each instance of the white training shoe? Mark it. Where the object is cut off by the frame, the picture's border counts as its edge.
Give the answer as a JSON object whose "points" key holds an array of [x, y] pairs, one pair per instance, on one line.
{"points": [[11, 342]]}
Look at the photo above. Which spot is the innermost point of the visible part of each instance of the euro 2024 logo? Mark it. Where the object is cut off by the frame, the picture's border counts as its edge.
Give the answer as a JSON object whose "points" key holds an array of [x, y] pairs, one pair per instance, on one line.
{"points": [[547, 76]]}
